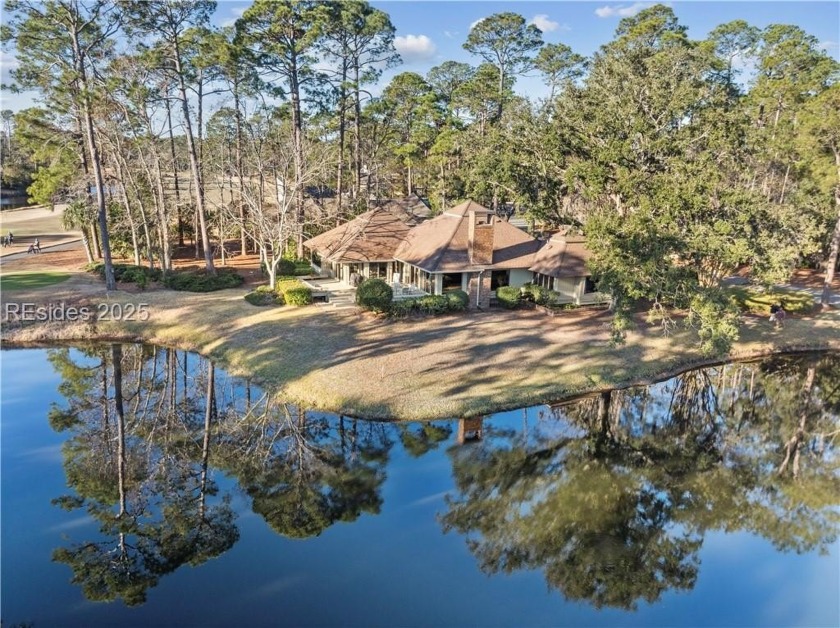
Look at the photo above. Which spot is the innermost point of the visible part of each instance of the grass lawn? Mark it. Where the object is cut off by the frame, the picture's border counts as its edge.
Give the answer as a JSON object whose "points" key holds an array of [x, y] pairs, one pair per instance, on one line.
{"points": [[28, 281], [452, 366], [758, 301]]}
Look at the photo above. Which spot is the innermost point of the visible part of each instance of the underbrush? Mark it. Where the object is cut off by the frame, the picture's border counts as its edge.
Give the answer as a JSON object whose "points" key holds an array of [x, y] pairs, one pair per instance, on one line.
{"points": [[201, 281], [128, 273]]}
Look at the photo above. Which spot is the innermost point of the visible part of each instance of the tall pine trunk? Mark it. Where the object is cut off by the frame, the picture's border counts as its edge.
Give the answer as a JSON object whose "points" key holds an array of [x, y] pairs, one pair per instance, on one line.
{"points": [[194, 165]]}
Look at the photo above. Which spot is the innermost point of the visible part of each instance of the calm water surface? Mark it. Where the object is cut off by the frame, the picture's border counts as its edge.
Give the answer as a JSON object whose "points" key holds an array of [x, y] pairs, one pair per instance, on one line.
{"points": [[142, 487]]}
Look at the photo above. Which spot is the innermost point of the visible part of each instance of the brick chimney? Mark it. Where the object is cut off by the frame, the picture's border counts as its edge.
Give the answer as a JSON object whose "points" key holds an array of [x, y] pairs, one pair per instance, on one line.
{"points": [[480, 237]]}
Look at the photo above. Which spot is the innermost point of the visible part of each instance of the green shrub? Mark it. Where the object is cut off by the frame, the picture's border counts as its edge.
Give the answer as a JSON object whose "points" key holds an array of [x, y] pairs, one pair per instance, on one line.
{"points": [[264, 295], [287, 283], [303, 267], [285, 267], [298, 296], [201, 281], [403, 307], [374, 294], [433, 304], [538, 294], [458, 300], [757, 301], [293, 291], [128, 273], [508, 297]]}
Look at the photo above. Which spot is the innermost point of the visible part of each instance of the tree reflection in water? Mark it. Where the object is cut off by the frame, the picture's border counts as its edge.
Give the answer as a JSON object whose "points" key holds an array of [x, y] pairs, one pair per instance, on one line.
{"points": [[148, 425], [611, 496]]}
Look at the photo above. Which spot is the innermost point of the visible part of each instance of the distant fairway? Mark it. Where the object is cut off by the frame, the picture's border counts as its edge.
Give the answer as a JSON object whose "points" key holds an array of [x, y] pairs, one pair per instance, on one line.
{"points": [[21, 281]]}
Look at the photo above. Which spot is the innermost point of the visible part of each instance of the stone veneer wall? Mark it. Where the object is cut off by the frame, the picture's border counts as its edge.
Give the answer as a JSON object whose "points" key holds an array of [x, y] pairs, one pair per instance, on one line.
{"points": [[483, 300]]}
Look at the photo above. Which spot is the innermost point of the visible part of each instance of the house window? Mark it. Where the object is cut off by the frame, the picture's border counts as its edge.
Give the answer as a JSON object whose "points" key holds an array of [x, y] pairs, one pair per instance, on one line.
{"points": [[544, 281], [499, 278], [378, 269], [589, 286]]}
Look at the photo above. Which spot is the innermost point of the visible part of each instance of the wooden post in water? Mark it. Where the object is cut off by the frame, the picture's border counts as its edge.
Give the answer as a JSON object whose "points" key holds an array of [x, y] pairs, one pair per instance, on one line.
{"points": [[470, 430]]}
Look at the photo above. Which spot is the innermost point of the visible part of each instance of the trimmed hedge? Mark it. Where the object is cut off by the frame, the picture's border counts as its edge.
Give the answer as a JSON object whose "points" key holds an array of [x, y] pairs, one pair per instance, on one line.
{"points": [[431, 304], [458, 300], [293, 291], [290, 268], [298, 296], [264, 295], [508, 297], [201, 281], [374, 294]]}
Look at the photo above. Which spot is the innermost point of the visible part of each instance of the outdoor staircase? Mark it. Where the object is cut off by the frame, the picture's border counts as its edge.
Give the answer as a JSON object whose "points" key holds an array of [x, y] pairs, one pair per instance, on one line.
{"points": [[341, 300]]}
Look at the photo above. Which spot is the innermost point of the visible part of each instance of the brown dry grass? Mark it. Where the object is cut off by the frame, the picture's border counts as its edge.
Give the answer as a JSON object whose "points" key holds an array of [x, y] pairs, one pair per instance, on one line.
{"points": [[418, 369]]}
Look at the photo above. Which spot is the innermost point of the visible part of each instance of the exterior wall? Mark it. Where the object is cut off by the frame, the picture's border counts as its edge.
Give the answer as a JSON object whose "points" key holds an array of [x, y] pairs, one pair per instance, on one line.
{"points": [[438, 283], [465, 282], [568, 287], [519, 277], [479, 290]]}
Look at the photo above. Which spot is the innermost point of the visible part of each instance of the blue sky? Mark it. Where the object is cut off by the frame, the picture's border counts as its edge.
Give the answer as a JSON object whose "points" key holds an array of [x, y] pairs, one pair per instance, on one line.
{"points": [[431, 32]]}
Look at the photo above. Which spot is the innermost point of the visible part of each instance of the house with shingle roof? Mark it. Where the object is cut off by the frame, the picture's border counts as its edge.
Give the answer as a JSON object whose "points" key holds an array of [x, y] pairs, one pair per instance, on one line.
{"points": [[561, 265], [365, 246], [465, 248]]}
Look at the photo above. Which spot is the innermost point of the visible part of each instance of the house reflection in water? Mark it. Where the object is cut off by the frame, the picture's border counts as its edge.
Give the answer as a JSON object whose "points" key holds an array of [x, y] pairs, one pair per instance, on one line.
{"points": [[470, 430]]}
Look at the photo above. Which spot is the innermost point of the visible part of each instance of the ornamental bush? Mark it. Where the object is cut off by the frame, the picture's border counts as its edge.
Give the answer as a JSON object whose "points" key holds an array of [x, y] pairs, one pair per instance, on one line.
{"points": [[458, 300], [433, 304], [298, 296], [508, 297], [374, 294], [537, 294], [264, 295], [403, 307], [293, 291]]}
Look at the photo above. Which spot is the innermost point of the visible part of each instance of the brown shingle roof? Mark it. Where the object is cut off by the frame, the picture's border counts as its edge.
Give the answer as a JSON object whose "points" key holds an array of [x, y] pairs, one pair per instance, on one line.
{"points": [[441, 244], [372, 236], [563, 256], [412, 206]]}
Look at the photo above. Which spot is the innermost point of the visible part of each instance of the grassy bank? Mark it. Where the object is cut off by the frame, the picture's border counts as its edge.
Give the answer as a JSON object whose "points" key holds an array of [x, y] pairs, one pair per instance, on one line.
{"points": [[418, 369]]}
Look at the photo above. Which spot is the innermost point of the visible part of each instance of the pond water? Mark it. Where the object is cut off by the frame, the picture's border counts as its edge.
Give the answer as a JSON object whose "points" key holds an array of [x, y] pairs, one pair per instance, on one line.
{"points": [[142, 486]]}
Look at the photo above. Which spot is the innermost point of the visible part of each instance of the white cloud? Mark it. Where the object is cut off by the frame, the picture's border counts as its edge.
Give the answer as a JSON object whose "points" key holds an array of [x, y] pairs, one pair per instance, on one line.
{"points": [[477, 22], [828, 46], [546, 25], [621, 10], [450, 34], [415, 47]]}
